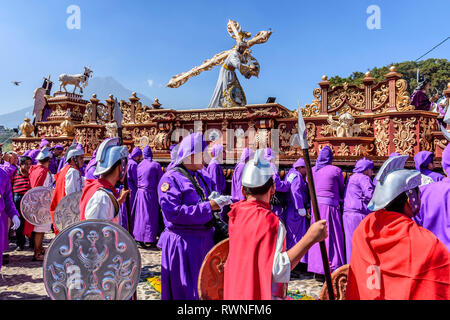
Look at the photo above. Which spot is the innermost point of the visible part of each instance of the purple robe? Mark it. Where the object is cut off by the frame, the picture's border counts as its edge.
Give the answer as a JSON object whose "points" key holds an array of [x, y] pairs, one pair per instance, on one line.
{"points": [[298, 198], [215, 170], [186, 238], [145, 213], [7, 210], [236, 186], [421, 160], [53, 166], [9, 169], [329, 185], [33, 154], [91, 166], [420, 100]]}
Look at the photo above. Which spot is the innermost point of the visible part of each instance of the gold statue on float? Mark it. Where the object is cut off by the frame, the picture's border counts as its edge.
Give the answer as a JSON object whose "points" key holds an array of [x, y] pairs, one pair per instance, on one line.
{"points": [[228, 92]]}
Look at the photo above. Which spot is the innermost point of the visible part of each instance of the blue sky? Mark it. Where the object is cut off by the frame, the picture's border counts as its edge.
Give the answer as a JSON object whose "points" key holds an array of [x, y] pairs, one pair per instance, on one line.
{"points": [[138, 41]]}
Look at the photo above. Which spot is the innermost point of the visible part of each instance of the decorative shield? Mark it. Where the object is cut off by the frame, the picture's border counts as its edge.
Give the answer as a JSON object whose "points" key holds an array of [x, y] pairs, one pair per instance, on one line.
{"points": [[68, 211], [339, 280], [92, 260], [211, 276], [35, 206]]}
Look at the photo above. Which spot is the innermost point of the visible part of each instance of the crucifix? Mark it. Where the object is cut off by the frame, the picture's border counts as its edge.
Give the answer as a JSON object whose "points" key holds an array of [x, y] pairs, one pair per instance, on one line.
{"points": [[228, 92]]}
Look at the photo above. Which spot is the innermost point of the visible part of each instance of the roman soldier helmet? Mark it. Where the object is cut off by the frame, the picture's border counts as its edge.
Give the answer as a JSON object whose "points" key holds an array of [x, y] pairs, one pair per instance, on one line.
{"points": [[393, 180], [257, 171], [422, 82], [45, 153], [73, 151], [108, 153]]}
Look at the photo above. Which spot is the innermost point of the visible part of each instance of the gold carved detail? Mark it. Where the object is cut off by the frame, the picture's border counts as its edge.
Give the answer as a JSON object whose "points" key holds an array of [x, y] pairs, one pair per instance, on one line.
{"points": [[402, 98], [345, 126], [404, 138], [26, 128], [314, 108], [125, 108], [343, 150], [354, 96], [379, 98], [310, 136], [427, 126], [67, 128], [441, 143], [140, 114], [382, 137], [363, 150]]}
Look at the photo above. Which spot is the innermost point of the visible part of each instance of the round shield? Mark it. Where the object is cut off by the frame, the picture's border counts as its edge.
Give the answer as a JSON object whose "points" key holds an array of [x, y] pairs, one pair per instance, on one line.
{"points": [[68, 211], [92, 260], [35, 206]]}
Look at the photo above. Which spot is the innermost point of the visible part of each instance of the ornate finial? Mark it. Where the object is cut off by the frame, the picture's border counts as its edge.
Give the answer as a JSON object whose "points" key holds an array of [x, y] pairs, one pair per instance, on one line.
{"points": [[27, 128], [134, 94], [368, 74], [111, 97], [94, 96], [324, 78], [393, 69], [156, 104]]}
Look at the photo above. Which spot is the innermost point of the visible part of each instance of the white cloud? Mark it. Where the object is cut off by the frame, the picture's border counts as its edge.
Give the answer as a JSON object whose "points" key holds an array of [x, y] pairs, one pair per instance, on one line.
{"points": [[150, 83]]}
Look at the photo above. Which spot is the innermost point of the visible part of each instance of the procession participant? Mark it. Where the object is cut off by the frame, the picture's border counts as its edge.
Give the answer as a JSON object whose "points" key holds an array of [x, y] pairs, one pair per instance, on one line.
{"points": [[90, 168], [20, 185], [258, 266], [358, 193], [184, 196], [7, 209], [54, 162], [424, 162], [145, 213], [298, 204], [68, 180], [329, 183], [392, 257], [40, 176], [434, 213], [63, 160], [33, 153], [419, 98], [215, 169], [100, 199], [236, 187], [173, 156], [10, 163]]}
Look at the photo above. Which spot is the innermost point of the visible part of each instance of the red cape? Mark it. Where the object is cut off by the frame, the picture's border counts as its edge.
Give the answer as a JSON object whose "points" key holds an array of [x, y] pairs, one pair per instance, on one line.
{"points": [[59, 192], [411, 262], [253, 230], [37, 175], [91, 187]]}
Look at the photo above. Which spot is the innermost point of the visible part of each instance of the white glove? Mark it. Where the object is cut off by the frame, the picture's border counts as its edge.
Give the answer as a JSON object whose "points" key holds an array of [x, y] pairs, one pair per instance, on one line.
{"points": [[213, 195], [302, 212], [16, 223], [222, 201], [291, 177]]}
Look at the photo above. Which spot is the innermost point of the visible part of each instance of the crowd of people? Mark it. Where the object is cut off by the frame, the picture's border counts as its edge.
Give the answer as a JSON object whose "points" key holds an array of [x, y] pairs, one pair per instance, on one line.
{"points": [[394, 227]]}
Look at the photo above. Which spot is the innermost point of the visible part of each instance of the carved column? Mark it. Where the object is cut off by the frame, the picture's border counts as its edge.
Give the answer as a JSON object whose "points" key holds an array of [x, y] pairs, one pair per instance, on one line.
{"points": [[392, 77], [94, 102], [368, 84], [133, 99], [324, 85], [111, 104]]}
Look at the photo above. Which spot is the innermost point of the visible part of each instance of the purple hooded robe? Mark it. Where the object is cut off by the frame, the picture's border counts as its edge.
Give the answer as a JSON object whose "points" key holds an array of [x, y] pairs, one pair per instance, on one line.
{"points": [[215, 169], [91, 166], [236, 186], [145, 213], [329, 185], [421, 160], [434, 213], [358, 194], [186, 238]]}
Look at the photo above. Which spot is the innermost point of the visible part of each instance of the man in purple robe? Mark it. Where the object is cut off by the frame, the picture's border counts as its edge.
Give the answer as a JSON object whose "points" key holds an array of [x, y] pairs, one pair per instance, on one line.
{"points": [[358, 194], [10, 164], [236, 186], [215, 169], [91, 166], [434, 213], [173, 156], [424, 162], [187, 211], [145, 213], [419, 98], [7, 210], [298, 204], [57, 150], [329, 185]]}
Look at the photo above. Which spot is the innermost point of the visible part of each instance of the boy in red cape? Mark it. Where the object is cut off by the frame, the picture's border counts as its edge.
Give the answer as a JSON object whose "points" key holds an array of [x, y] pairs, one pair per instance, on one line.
{"points": [[393, 258], [68, 180], [258, 266]]}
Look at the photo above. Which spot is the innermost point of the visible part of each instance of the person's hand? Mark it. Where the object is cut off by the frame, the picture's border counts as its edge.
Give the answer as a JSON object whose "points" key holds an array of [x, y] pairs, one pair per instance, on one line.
{"points": [[222, 201], [16, 223], [302, 212], [123, 196], [317, 231], [434, 98], [213, 195]]}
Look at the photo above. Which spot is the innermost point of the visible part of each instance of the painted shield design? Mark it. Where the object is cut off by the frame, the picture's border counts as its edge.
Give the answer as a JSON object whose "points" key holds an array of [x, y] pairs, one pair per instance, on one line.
{"points": [[35, 206], [92, 260], [68, 211]]}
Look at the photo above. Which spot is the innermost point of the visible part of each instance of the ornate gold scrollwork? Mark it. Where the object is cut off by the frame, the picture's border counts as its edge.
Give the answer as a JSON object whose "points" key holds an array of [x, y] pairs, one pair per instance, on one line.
{"points": [[343, 150], [427, 126], [404, 137], [140, 114], [402, 97], [345, 127], [363, 150], [353, 96], [314, 108], [380, 98], [382, 137]]}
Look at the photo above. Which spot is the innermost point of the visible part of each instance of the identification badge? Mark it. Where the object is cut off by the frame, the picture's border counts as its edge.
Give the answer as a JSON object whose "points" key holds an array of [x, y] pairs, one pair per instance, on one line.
{"points": [[164, 187]]}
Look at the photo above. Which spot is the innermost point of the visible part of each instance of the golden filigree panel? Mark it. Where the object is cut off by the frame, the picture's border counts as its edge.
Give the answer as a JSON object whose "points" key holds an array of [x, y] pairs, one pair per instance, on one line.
{"points": [[363, 150], [402, 98], [404, 137], [343, 150], [380, 98], [382, 137], [427, 126], [353, 96], [314, 108]]}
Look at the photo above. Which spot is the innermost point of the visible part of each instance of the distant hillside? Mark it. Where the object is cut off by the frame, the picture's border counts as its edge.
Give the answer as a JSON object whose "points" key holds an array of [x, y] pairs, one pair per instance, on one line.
{"points": [[437, 70], [102, 86]]}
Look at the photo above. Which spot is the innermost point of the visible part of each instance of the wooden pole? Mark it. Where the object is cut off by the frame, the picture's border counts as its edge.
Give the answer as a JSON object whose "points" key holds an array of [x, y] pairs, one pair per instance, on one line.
{"points": [[315, 207]]}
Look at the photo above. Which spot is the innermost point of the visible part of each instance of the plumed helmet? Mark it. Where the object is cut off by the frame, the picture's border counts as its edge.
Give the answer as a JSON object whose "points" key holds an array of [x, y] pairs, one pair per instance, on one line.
{"points": [[257, 171], [422, 83], [393, 180], [45, 153], [73, 151], [108, 153]]}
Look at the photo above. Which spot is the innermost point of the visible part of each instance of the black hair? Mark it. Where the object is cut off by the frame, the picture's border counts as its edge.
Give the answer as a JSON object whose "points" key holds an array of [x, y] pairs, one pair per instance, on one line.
{"points": [[398, 204], [115, 165], [24, 159], [44, 160], [259, 190]]}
